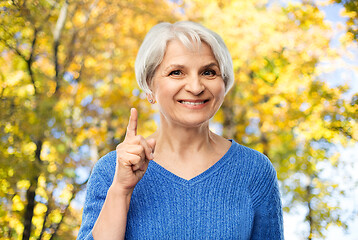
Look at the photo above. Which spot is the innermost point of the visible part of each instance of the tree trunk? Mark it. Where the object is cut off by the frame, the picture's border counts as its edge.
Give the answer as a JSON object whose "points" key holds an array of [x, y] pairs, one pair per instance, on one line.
{"points": [[309, 214], [29, 212], [56, 36], [30, 195]]}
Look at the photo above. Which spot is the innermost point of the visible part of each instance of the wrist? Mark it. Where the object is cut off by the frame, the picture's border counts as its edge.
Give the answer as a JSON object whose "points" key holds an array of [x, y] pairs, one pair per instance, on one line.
{"points": [[120, 194]]}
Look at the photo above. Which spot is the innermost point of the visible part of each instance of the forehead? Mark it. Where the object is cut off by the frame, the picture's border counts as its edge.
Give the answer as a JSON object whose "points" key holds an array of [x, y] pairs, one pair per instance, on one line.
{"points": [[176, 49]]}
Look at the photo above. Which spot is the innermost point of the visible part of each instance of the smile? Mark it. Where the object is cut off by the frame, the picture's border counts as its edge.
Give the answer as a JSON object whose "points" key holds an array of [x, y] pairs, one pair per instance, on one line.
{"points": [[192, 103]]}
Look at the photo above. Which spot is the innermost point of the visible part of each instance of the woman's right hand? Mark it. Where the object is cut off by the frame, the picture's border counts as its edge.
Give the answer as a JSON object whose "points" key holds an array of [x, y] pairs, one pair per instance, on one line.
{"points": [[133, 156]]}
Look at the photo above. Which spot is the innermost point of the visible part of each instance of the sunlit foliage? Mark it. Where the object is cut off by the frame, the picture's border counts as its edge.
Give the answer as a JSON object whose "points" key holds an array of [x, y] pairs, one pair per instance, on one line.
{"points": [[67, 83], [351, 12]]}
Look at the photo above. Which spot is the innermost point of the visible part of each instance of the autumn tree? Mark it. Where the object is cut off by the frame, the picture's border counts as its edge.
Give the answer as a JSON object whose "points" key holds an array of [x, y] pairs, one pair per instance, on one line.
{"points": [[66, 87], [281, 105], [67, 83]]}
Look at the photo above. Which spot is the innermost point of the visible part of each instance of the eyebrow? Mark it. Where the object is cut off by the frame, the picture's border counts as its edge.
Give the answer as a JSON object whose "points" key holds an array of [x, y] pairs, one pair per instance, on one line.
{"points": [[179, 66], [174, 66], [213, 64]]}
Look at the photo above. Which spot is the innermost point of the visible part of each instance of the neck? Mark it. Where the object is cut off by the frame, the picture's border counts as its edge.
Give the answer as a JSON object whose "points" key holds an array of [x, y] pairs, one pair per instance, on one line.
{"points": [[182, 139], [187, 151]]}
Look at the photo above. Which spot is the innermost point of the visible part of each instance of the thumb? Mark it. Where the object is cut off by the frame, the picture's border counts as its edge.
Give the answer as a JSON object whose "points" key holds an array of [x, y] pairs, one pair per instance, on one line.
{"points": [[151, 142]]}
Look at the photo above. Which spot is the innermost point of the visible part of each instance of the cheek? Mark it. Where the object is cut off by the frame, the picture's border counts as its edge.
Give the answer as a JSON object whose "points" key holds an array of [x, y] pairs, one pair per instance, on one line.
{"points": [[163, 91], [219, 89], [167, 88]]}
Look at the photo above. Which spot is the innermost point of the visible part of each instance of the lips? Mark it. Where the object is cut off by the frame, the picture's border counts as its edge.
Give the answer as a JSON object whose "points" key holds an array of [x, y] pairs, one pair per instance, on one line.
{"points": [[193, 102]]}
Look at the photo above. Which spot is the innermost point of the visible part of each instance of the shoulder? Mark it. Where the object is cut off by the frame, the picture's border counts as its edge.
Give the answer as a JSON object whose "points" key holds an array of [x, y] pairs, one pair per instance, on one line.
{"points": [[105, 167], [98, 184], [255, 160], [107, 162], [259, 172]]}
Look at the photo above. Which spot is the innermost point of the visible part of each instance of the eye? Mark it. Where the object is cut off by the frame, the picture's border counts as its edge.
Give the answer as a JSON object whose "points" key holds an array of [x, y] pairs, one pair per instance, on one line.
{"points": [[175, 73], [209, 72]]}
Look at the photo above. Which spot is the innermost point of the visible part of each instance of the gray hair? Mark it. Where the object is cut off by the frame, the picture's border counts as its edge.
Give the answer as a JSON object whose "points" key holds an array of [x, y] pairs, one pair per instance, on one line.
{"points": [[153, 48]]}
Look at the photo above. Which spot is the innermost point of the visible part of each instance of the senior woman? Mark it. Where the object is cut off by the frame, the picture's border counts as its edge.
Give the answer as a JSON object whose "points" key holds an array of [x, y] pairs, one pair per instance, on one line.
{"points": [[183, 181]]}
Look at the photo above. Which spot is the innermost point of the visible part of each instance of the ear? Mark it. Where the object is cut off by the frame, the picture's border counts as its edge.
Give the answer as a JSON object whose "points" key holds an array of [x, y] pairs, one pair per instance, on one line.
{"points": [[151, 98]]}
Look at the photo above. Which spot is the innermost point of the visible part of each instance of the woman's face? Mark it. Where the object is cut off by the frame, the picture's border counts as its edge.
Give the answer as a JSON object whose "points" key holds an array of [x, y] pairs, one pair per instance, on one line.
{"points": [[187, 85]]}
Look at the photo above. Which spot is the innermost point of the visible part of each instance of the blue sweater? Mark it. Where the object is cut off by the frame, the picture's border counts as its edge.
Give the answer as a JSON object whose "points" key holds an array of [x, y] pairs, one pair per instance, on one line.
{"points": [[237, 198]]}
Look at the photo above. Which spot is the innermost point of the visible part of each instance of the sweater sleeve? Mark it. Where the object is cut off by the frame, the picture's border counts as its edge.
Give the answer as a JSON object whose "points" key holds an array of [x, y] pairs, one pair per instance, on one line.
{"points": [[268, 221], [97, 188]]}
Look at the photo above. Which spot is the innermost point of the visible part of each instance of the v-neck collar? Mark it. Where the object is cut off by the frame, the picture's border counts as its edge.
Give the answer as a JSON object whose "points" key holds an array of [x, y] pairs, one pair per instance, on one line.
{"points": [[200, 177]]}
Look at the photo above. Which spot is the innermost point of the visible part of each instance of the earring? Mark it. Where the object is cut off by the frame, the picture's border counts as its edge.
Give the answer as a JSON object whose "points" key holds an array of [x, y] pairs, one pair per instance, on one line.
{"points": [[151, 98]]}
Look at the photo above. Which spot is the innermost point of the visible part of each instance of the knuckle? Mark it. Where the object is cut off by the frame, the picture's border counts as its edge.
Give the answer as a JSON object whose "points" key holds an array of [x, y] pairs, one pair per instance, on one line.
{"points": [[135, 160], [119, 147], [121, 161], [141, 148], [139, 139], [136, 139]]}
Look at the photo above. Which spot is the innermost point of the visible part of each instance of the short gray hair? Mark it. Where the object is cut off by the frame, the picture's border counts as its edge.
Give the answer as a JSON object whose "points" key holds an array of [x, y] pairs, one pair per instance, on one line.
{"points": [[153, 48]]}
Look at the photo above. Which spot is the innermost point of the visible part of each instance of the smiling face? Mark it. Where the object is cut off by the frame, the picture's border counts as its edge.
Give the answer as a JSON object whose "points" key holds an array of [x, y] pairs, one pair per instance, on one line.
{"points": [[187, 85]]}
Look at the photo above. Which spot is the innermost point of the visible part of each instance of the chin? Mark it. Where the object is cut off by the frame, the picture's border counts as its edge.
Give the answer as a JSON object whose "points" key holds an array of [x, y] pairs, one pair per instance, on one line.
{"points": [[190, 119], [195, 122]]}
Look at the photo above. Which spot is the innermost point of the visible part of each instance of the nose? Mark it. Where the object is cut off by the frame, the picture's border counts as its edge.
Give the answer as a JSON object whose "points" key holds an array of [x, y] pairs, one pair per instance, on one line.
{"points": [[194, 85]]}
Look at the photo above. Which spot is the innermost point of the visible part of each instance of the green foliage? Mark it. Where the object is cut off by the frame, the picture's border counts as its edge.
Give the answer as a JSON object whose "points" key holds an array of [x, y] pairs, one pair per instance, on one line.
{"points": [[351, 7]]}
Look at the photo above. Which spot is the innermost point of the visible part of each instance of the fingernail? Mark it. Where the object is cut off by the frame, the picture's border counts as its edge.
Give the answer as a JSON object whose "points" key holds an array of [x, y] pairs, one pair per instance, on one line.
{"points": [[151, 156]]}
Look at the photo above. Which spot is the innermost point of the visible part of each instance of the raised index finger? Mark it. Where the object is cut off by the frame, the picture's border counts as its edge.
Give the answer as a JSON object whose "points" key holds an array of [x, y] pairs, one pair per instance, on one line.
{"points": [[132, 125]]}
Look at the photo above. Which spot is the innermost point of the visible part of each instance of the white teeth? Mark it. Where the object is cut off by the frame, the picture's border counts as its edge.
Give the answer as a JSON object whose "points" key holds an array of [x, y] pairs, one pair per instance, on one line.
{"points": [[192, 103]]}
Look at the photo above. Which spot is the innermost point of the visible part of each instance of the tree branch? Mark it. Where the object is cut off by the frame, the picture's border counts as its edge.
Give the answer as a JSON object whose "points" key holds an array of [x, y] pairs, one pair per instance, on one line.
{"points": [[56, 36], [31, 59], [70, 52], [14, 49]]}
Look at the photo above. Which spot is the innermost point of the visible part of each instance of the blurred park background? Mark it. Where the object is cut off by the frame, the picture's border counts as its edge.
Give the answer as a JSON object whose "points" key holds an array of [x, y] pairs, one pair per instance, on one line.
{"points": [[67, 83]]}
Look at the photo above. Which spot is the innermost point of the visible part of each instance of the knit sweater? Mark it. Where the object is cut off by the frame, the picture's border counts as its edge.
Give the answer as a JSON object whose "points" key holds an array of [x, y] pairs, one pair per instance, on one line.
{"points": [[236, 198]]}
